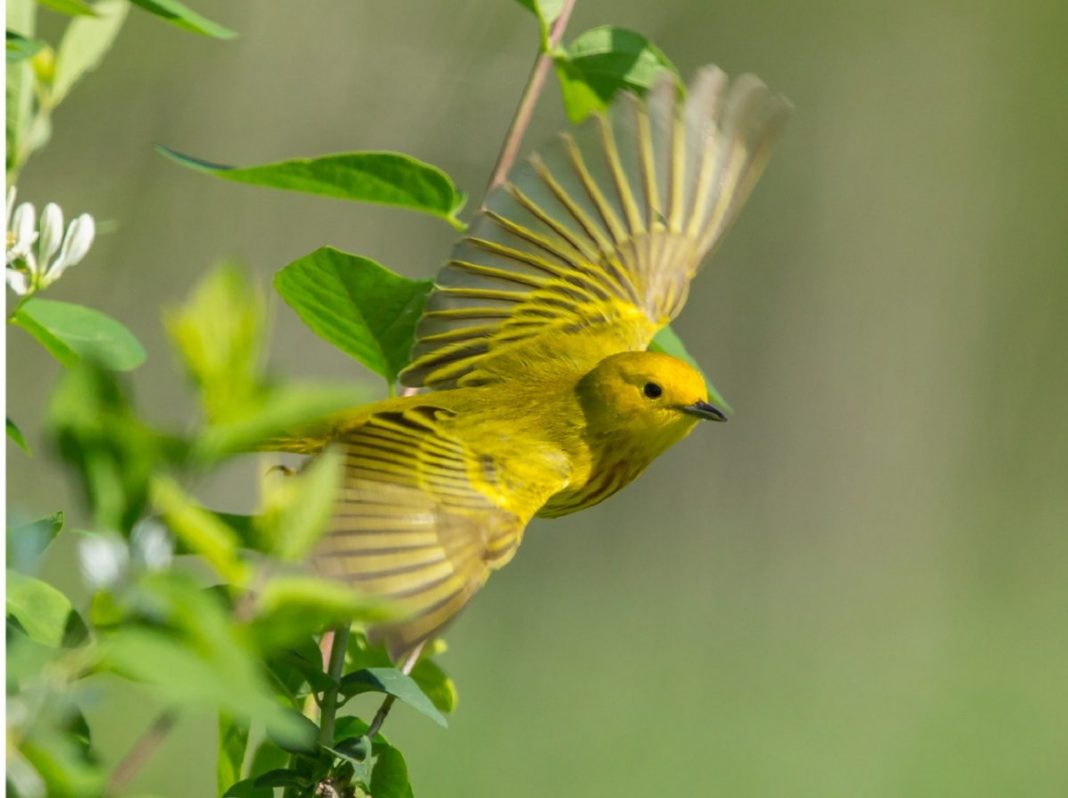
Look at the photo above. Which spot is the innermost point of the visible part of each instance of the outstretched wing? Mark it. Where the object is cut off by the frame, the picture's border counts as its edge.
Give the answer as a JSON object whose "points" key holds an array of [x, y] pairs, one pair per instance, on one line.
{"points": [[421, 521], [600, 234]]}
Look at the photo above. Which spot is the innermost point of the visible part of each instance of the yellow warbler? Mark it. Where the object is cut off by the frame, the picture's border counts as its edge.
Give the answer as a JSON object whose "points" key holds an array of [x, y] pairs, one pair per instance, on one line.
{"points": [[545, 401]]}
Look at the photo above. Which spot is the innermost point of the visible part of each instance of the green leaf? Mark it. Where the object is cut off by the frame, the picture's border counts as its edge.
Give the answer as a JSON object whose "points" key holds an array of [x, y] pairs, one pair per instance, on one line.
{"points": [[669, 343], [358, 758], [392, 682], [361, 654], [72, 332], [360, 753], [292, 607], [243, 526], [233, 740], [281, 778], [348, 727], [72, 8], [200, 530], [298, 508], [20, 85], [355, 749], [436, 685], [62, 762], [383, 178], [26, 542], [42, 612], [269, 756], [189, 648], [603, 61], [15, 434], [26, 659], [297, 667], [546, 12], [246, 788], [306, 743], [113, 452], [185, 18], [218, 333], [19, 47], [77, 729], [84, 45], [389, 779], [185, 675], [284, 416], [359, 306], [105, 609]]}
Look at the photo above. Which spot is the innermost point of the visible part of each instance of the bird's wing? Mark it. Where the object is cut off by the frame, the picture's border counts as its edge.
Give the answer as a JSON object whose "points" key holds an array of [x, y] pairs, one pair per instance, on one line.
{"points": [[600, 234], [421, 520]]}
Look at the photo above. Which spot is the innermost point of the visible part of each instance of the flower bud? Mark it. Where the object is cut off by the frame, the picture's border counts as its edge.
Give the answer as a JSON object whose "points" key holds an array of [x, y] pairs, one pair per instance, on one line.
{"points": [[44, 65], [75, 246], [22, 226], [51, 233]]}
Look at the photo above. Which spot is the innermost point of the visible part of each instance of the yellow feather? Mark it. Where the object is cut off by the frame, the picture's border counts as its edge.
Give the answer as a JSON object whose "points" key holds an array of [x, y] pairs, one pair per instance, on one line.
{"points": [[535, 335]]}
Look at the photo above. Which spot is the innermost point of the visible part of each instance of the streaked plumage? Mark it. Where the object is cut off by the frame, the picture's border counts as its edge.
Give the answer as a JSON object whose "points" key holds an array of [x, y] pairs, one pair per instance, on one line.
{"points": [[533, 342]]}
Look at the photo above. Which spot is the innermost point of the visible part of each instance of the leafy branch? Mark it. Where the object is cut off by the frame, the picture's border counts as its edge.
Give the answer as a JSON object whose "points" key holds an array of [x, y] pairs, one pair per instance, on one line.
{"points": [[247, 642]]}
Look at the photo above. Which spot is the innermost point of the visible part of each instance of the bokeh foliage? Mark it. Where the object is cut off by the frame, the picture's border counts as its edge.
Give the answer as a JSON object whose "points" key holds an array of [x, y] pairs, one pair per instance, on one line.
{"points": [[856, 586], [234, 625]]}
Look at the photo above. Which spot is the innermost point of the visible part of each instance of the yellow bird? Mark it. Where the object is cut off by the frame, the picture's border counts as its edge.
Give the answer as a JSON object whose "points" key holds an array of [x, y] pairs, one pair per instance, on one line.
{"points": [[544, 399]]}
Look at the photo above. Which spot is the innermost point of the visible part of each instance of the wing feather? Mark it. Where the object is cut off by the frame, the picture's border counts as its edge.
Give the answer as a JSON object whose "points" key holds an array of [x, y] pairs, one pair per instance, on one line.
{"points": [[420, 523], [601, 232]]}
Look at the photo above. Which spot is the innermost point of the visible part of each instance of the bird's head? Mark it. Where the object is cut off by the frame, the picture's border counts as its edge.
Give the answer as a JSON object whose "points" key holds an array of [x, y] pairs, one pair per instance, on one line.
{"points": [[652, 399]]}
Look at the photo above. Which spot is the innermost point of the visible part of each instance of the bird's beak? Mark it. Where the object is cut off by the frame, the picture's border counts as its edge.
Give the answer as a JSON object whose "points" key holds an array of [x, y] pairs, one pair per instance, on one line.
{"points": [[703, 409]]}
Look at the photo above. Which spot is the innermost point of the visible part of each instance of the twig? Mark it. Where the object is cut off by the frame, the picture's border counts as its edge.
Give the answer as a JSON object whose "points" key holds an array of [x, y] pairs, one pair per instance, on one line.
{"points": [[383, 711], [525, 110], [145, 746], [336, 665]]}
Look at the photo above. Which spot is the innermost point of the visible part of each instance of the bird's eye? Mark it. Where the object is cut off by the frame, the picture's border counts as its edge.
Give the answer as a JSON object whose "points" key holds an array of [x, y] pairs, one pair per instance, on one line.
{"points": [[652, 390]]}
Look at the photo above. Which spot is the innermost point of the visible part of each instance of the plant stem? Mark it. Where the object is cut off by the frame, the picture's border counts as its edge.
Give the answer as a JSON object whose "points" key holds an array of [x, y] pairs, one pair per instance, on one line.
{"points": [[145, 746], [525, 110], [334, 669]]}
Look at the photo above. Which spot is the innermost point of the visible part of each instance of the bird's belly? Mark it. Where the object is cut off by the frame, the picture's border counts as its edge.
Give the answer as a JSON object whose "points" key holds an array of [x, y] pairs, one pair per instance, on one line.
{"points": [[602, 483]]}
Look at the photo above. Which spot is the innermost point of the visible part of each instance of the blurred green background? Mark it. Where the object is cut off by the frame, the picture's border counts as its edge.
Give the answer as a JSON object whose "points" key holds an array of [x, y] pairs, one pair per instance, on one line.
{"points": [[857, 587]]}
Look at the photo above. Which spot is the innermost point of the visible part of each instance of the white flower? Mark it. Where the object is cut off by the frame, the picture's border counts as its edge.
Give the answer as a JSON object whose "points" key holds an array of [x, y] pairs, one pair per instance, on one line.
{"points": [[18, 280], [76, 245], [22, 235], [51, 231], [21, 265], [152, 545], [30, 269], [103, 559]]}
